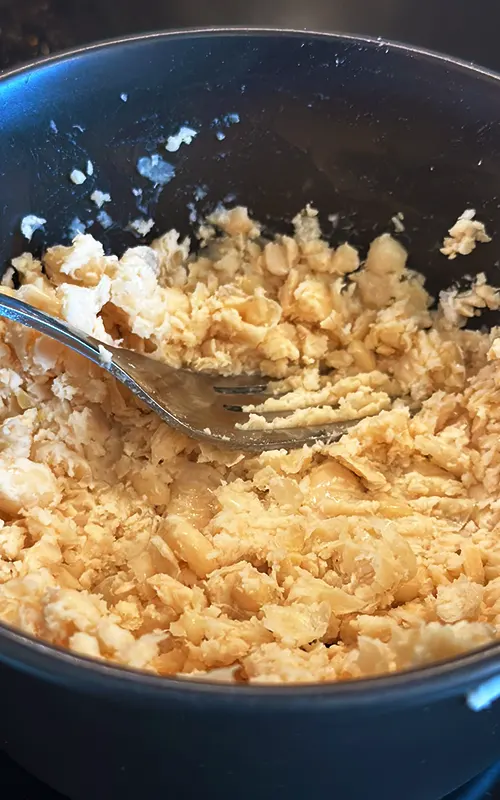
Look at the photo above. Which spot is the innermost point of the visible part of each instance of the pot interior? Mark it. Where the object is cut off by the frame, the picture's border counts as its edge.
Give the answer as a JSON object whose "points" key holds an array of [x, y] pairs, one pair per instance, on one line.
{"points": [[363, 130]]}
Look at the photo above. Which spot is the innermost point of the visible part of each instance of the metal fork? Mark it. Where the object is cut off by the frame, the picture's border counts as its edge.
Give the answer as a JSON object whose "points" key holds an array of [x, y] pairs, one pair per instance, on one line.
{"points": [[202, 405]]}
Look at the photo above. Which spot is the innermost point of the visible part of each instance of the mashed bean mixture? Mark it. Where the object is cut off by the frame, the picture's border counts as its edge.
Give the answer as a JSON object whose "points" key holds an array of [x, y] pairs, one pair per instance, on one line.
{"points": [[124, 540]]}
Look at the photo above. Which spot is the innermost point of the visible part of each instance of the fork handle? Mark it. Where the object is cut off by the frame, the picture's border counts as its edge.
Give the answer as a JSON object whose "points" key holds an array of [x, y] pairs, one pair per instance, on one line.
{"points": [[23, 313]]}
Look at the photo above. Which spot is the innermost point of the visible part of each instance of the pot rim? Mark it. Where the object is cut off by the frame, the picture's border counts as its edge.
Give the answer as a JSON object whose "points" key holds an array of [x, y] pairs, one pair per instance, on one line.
{"points": [[228, 31], [50, 662]]}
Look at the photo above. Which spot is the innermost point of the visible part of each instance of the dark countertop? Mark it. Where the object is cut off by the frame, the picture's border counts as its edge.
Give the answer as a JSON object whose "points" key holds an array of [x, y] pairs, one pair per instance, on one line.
{"points": [[30, 28]]}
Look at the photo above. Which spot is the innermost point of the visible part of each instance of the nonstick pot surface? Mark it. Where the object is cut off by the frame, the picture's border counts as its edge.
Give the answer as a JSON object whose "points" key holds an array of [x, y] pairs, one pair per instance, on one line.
{"points": [[363, 130]]}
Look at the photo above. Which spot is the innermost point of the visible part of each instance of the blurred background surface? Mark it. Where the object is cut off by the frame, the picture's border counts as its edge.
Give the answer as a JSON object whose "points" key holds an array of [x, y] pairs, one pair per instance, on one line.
{"points": [[38, 27]]}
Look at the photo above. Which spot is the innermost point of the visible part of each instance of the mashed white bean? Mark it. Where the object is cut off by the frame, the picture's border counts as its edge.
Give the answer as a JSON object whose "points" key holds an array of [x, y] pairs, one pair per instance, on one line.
{"points": [[124, 540]]}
